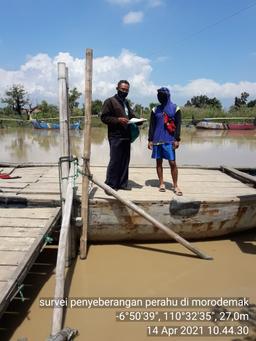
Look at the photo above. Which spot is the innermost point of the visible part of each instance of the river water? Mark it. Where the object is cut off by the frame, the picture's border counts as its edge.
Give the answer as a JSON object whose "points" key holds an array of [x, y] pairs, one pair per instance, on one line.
{"points": [[134, 270], [198, 147]]}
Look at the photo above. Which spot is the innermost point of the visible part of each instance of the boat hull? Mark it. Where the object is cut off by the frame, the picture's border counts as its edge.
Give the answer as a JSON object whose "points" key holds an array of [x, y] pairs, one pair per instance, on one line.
{"points": [[224, 126], [110, 221], [242, 126], [211, 125]]}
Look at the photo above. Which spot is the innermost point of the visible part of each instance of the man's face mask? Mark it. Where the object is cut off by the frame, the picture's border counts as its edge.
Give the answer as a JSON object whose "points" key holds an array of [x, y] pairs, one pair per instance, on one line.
{"points": [[122, 94], [162, 97]]}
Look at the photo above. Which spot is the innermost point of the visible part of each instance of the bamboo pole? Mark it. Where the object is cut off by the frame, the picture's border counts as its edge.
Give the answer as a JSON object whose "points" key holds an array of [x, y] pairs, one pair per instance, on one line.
{"points": [[64, 138], [60, 267], [68, 112], [87, 151], [64, 133], [152, 220]]}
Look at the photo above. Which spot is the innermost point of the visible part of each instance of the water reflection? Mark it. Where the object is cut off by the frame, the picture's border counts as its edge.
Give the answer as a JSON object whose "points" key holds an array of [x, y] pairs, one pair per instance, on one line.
{"points": [[204, 147]]}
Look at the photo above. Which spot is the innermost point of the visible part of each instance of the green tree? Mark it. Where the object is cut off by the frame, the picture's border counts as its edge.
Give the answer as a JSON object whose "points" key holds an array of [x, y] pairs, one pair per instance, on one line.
{"points": [[96, 107], [48, 110], [138, 110], [16, 98], [251, 104], [152, 105], [73, 97], [203, 101], [242, 100]]}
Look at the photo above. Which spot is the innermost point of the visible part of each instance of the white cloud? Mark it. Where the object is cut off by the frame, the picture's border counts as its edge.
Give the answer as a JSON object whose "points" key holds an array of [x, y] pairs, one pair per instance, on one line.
{"points": [[162, 59], [155, 3], [213, 89], [133, 17], [39, 77]]}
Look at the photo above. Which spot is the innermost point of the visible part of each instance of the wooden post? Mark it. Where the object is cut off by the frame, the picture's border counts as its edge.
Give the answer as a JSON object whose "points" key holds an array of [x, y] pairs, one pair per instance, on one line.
{"points": [[87, 151], [60, 267], [68, 111], [64, 136]]}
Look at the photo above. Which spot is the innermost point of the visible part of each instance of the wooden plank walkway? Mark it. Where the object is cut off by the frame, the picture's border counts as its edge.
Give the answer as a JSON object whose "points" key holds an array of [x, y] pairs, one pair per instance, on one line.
{"points": [[40, 185], [23, 233]]}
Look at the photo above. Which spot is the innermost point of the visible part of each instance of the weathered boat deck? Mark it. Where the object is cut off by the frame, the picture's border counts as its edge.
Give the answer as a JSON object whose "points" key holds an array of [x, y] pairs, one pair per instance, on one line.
{"points": [[23, 230], [40, 185]]}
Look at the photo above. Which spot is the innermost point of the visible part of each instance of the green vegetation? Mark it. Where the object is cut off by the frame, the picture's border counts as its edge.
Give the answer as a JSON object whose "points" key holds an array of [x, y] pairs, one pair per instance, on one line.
{"points": [[18, 108]]}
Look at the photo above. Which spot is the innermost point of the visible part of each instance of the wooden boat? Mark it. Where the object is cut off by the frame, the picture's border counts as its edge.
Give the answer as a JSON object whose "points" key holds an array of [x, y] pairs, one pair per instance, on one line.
{"points": [[241, 126], [38, 124], [209, 123], [213, 204]]}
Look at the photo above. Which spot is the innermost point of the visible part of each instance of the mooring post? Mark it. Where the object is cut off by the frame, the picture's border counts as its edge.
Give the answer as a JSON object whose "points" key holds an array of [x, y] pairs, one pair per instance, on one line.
{"points": [[87, 151], [68, 111], [64, 139]]}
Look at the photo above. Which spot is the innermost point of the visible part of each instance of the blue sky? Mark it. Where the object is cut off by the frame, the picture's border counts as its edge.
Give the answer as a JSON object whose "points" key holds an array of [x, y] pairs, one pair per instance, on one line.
{"points": [[192, 46]]}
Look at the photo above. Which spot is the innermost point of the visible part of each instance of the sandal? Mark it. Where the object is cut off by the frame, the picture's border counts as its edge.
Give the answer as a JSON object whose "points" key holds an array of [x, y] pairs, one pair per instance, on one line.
{"points": [[178, 192], [162, 188]]}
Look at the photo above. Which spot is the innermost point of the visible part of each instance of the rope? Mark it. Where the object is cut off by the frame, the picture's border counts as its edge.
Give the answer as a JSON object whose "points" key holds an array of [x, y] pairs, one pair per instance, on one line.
{"points": [[86, 173], [73, 162], [20, 287], [48, 239]]}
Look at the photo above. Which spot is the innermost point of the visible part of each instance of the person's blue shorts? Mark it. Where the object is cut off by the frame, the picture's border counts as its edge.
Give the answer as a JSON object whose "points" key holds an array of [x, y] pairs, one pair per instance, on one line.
{"points": [[163, 151]]}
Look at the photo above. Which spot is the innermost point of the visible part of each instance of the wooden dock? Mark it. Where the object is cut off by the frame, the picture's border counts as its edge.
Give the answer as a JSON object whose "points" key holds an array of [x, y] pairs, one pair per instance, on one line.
{"points": [[40, 185], [25, 225], [30, 206]]}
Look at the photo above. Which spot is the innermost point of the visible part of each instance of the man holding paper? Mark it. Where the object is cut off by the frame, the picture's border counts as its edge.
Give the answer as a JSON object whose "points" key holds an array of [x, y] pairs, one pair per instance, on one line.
{"points": [[116, 113]]}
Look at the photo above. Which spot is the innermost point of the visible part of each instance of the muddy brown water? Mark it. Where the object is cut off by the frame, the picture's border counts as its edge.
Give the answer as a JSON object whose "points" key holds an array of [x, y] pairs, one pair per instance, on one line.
{"points": [[154, 270], [197, 147]]}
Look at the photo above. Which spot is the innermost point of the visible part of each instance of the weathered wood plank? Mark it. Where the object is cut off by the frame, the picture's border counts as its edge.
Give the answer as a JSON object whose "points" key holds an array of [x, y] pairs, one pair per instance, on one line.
{"points": [[20, 232], [2, 286], [11, 257], [241, 175], [22, 180], [15, 244], [7, 272], [38, 213], [8, 185], [22, 222], [39, 188]]}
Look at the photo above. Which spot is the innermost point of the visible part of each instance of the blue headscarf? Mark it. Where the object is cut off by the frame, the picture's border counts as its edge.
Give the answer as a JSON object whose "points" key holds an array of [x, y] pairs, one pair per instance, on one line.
{"points": [[166, 105]]}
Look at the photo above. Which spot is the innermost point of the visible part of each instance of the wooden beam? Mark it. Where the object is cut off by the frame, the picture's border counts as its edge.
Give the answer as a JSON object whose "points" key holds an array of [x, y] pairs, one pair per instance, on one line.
{"points": [[239, 175], [87, 151], [60, 267]]}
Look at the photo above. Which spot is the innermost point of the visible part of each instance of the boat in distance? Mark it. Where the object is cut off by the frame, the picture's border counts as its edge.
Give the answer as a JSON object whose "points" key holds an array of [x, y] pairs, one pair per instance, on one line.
{"points": [[208, 124], [38, 124]]}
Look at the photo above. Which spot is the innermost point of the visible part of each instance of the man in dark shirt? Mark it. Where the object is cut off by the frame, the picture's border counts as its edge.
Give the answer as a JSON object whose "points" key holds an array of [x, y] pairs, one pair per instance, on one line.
{"points": [[116, 113]]}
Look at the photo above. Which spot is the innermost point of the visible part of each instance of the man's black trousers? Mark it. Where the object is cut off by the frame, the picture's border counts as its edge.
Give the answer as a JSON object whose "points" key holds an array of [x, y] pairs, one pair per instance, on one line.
{"points": [[118, 167]]}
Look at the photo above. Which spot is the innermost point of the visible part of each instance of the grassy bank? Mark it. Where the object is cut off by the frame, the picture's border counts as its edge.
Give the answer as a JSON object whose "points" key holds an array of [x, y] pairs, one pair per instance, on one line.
{"points": [[187, 114]]}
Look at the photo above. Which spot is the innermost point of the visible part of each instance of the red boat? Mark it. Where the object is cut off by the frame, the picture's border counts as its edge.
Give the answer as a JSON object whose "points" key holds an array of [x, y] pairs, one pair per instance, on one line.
{"points": [[241, 126]]}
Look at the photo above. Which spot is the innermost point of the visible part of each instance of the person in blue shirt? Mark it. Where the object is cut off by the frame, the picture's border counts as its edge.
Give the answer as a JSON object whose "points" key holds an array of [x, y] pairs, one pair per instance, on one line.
{"points": [[164, 141]]}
